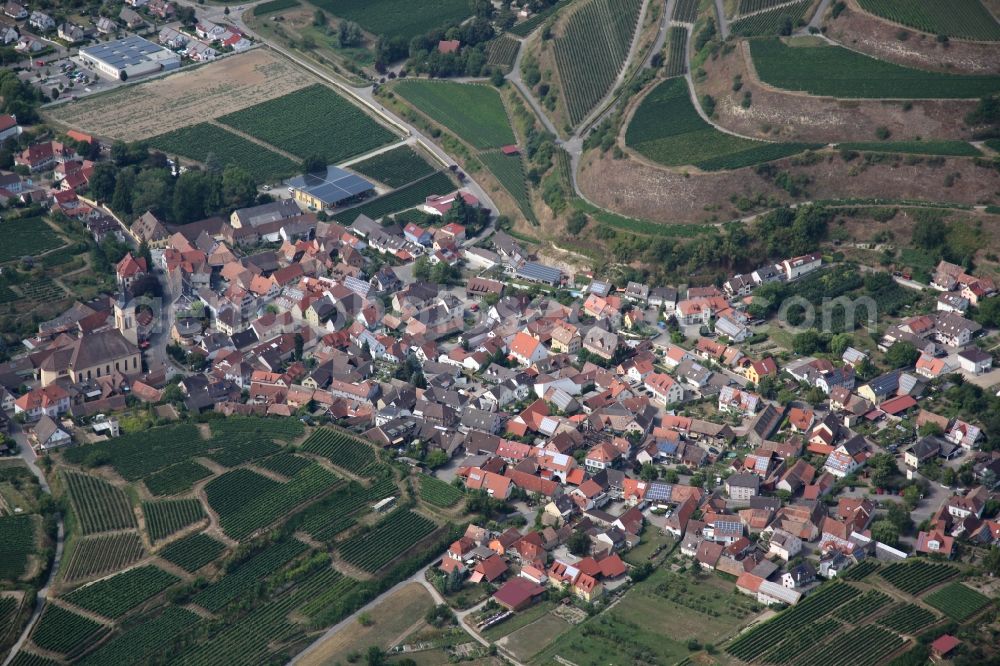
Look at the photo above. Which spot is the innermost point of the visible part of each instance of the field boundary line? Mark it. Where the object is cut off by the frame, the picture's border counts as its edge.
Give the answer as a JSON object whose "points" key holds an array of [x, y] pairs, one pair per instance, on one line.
{"points": [[252, 139]]}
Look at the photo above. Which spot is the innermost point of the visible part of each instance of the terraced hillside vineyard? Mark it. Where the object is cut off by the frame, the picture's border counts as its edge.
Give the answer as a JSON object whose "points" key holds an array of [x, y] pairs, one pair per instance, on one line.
{"points": [[176, 479], [667, 129], [98, 505], [398, 18], [404, 198], [18, 536], [591, 51], [509, 170], [334, 129], [395, 168], [839, 72], [164, 517], [750, 6], [957, 601], [25, 237], [676, 64], [388, 539], [502, 51], [206, 143], [102, 554], [193, 552], [344, 451], [437, 492], [685, 11], [145, 641], [115, 596], [773, 21], [966, 19], [66, 633], [474, 112]]}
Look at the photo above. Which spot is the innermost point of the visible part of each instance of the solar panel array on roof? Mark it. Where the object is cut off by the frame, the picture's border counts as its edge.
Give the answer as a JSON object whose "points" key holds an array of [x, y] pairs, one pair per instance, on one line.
{"points": [[332, 187], [659, 492], [121, 53], [540, 273]]}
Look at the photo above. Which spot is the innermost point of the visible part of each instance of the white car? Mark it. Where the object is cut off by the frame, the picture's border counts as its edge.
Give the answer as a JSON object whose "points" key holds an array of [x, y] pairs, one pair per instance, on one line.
{"points": [[291, 189], [266, 188]]}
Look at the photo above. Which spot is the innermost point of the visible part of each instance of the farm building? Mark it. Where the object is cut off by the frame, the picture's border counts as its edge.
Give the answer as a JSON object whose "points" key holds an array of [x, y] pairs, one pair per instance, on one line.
{"points": [[129, 57], [330, 189]]}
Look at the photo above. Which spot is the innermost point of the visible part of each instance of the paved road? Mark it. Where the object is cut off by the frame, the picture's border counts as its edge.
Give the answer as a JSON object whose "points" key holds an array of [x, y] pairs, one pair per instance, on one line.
{"points": [[27, 453], [720, 11]]}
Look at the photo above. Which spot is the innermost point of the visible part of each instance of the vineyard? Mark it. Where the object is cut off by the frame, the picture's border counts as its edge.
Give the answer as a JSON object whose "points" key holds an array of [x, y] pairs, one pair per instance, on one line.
{"points": [[238, 449], [333, 514], [685, 11], [193, 552], [388, 539], [753, 643], [25, 237], [595, 42], [344, 451], [509, 170], [246, 501], [113, 597], [140, 454], [285, 429], [412, 195], [687, 139], [42, 289], [502, 52], [863, 606], [66, 633], [284, 463], [800, 640], [333, 129], [437, 492], [8, 610], [526, 27], [957, 601], [339, 585], [244, 578], [860, 571], [949, 148], [207, 143], [397, 18], [914, 578], [473, 112], [144, 641], [274, 6], [839, 72], [771, 22], [96, 556], [676, 63], [394, 168], [164, 517], [865, 645], [25, 658], [908, 619], [176, 479], [750, 6], [967, 19], [99, 506], [17, 543]]}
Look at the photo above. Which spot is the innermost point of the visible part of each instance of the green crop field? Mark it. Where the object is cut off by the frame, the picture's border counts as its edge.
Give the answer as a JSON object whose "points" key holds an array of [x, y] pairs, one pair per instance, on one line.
{"points": [[684, 138], [771, 22], [474, 112], [397, 18], [957, 601], [26, 237], [344, 451], [17, 542], [247, 501], [243, 578], [193, 552], [685, 11], [395, 168], [967, 19], [285, 429], [238, 449], [509, 170], [502, 51], [206, 143], [136, 455], [25, 658], [66, 633], [115, 596], [176, 479], [839, 72], [335, 513], [527, 26], [862, 606], [406, 197], [99, 506], [388, 539], [592, 50], [860, 571], [99, 555], [948, 148], [438, 493], [274, 6], [145, 641], [42, 289], [333, 128], [676, 63], [164, 517], [917, 576], [867, 644], [749, 6]]}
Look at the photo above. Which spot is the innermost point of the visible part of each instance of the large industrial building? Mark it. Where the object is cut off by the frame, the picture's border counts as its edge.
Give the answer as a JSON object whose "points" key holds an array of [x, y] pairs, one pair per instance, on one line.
{"points": [[333, 188], [129, 57]]}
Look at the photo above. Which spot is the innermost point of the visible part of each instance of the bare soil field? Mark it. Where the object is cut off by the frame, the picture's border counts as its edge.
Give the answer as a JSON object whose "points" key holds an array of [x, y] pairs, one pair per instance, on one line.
{"points": [[639, 190], [148, 109], [879, 38], [782, 115]]}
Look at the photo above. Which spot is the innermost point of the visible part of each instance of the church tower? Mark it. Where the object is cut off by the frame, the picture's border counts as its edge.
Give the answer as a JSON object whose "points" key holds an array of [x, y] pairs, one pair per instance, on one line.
{"points": [[125, 320]]}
